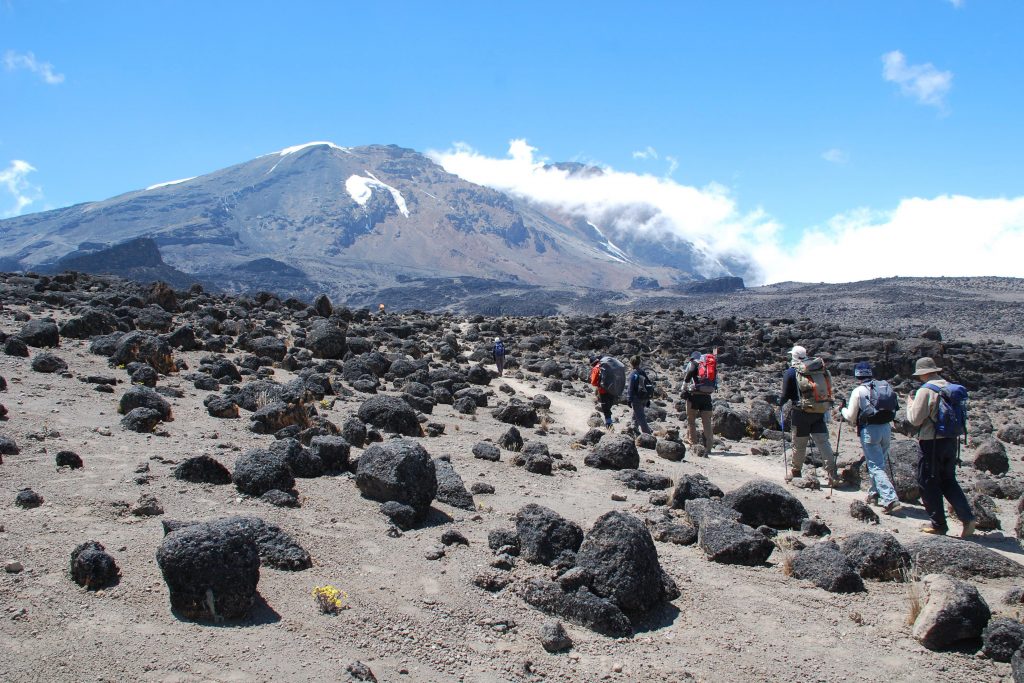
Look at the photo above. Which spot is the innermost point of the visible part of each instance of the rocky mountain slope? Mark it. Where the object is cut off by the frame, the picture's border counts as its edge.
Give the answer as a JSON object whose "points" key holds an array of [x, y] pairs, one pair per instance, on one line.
{"points": [[346, 220], [183, 469]]}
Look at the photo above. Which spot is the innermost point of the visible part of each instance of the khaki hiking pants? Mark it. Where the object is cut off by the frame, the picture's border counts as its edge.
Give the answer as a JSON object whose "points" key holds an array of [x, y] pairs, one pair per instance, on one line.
{"points": [[705, 421], [808, 426]]}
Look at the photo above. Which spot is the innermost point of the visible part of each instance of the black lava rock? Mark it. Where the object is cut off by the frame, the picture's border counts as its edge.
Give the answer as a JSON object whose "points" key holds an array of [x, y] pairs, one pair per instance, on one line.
{"points": [[544, 534], [202, 469], [91, 566], [258, 471], [400, 471]]}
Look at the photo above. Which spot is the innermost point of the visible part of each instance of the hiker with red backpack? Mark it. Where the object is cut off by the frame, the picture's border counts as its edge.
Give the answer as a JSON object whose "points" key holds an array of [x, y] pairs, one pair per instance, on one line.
{"points": [[808, 384], [939, 411], [700, 379], [871, 409]]}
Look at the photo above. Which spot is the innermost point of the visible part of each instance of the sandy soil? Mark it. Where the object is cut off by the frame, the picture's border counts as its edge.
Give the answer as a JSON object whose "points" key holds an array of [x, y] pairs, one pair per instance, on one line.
{"points": [[411, 619]]}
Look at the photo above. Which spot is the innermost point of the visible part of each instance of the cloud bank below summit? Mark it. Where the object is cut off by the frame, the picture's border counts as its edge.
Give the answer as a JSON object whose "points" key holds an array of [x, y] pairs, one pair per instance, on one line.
{"points": [[948, 235]]}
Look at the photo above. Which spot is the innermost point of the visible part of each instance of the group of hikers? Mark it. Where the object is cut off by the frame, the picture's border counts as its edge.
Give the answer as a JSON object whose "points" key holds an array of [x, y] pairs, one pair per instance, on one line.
{"points": [[937, 410]]}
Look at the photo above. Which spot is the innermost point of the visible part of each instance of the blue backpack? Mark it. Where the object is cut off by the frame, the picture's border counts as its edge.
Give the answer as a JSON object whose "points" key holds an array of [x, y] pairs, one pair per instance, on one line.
{"points": [[499, 349], [951, 419]]}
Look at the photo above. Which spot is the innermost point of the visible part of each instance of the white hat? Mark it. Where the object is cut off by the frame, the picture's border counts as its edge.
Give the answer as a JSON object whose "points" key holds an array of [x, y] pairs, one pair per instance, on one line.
{"points": [[497, 339], [798, 352]]}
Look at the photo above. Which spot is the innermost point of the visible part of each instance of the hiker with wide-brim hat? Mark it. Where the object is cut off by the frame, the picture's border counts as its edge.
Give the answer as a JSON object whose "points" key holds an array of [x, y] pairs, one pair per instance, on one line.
{"points": [[936, 464]]}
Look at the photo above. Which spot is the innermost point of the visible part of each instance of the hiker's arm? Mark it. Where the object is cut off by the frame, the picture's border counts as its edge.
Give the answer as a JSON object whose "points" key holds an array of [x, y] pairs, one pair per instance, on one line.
{"points": [[852, 409], [788, 388]]}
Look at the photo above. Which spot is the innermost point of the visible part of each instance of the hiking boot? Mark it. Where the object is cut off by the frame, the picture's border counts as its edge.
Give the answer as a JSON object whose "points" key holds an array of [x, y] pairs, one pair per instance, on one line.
{"points": [[793, 474], [968, 529], [929, 529], [891, 508]]}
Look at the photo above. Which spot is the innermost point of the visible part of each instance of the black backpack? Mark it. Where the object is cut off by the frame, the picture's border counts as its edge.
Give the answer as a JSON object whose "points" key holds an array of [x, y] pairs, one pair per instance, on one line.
{"points": [[880, 405], [644, 386]]}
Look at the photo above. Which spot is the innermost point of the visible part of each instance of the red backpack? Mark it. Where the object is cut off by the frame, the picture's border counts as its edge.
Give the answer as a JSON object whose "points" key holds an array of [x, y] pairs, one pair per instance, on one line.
{"points": [[706, 380]]}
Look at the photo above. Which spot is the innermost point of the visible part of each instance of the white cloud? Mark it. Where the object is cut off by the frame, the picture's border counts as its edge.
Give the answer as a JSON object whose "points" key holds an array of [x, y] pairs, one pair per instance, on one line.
{"points": [[835, 156], [13, 181], [621, 202], [923, 82], [949, 235], [646, 153], [924, 237], [14, 61], [957, 3]]}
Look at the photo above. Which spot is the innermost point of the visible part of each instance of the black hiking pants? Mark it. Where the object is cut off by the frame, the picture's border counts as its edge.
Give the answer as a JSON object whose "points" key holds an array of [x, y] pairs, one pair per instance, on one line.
{"points": [[936, 475], [606, 401]]}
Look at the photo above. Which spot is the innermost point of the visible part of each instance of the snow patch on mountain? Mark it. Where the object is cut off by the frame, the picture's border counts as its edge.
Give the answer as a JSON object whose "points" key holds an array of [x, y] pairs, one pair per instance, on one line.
{"points": [[361, 189], [170, 182], [613, 251], [298, 148]]}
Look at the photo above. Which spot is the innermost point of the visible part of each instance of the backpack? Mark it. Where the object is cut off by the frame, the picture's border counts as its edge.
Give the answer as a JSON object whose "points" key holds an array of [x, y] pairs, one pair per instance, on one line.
{"points": [[951, 419], [705, 380], [880, 405], [644, 386], [613, 376], [499, 349], [814, 383]]}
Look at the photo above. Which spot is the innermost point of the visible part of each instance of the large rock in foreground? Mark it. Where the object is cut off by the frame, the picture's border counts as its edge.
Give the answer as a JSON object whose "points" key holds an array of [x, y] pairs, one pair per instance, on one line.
{"points": [[400, 471], [877, 556], [390, 414], [211, 571], [728, 542], [614, 452], [954, 611], [579, 606], [827, 568], [960, 559], [619, 553], [762, 502]]}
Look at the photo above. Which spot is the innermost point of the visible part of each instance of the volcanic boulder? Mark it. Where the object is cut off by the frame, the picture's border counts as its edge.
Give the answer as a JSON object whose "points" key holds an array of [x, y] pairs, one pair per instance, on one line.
{"points": [[390, 414], [829, 569], [399, 471], [953, 611], [258, 471], [876, 556], [544, 534], [762, 502], [614, 452], [91, 566]]}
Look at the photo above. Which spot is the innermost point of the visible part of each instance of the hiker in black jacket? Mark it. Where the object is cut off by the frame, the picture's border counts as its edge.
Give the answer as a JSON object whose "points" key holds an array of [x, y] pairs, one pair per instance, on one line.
{"points": [[636, 396]]}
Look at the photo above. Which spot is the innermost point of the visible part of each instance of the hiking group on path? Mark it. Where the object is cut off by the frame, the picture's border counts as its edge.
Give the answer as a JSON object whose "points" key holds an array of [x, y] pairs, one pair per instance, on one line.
{"points": [[938, 410]]}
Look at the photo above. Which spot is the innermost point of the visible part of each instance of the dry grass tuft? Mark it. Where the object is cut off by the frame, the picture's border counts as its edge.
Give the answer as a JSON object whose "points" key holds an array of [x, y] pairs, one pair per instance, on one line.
{"points": [[915, 593], [788, 557], [263, 398]]}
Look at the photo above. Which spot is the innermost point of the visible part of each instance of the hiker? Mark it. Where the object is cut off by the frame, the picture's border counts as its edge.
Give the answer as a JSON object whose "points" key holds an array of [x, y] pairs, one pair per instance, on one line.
{"points": [[808, 384], [639, 391], [939, 452], [608, 377], [499, 355], [380, 309], [871, 409], [700, 379]]}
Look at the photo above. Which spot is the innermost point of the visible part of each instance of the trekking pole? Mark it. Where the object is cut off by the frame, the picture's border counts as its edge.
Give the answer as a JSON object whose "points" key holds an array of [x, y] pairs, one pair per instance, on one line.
{"points": [[835, 467]]}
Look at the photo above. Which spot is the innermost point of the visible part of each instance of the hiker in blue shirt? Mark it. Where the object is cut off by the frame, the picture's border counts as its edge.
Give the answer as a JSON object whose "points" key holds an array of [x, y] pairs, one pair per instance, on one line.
{"points": [[636, 395], [499, 355]]}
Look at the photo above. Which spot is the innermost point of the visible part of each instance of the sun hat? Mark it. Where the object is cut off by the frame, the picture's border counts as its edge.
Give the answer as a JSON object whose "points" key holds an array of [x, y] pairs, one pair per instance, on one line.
{"points": [[696, 355], [862, 369], [798, 352], [594, 359], [925, 366], [497, 339]]}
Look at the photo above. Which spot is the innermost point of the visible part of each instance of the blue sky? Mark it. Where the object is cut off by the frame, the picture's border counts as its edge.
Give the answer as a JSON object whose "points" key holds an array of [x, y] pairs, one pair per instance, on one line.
{"points": [[789, 106]]}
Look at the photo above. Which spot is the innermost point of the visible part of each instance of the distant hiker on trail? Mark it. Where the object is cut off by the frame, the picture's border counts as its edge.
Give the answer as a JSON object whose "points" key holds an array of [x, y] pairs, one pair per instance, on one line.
{"points": [[380, 309], [639, 392], [808, 384], [939, 411], [871, 409], [608, 376], [700, 379], [499, 355]]}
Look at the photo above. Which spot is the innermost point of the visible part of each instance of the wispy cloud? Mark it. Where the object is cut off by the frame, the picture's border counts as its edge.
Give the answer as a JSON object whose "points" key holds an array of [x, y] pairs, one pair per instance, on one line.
{"points": [[957, 3], [14, 61], [908, 240], [923, 82], [835, 156], [646, 153], [14, 181]]}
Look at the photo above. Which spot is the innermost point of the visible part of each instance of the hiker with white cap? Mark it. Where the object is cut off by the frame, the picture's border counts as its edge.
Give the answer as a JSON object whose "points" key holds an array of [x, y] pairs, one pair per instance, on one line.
{"points": [[499, 355], [808, 384], [938, 410], [871, 409]]}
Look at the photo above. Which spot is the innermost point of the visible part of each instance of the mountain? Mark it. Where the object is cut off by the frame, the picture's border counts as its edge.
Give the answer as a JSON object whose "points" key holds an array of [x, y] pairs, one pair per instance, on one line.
{"points": [[350, 221]]}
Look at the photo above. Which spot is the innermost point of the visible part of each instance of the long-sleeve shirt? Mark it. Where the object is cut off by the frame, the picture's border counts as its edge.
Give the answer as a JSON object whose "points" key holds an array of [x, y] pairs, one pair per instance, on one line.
{"points": [[790, 389], [595, 378], [852, 410], [924, 408], [632, 386]]}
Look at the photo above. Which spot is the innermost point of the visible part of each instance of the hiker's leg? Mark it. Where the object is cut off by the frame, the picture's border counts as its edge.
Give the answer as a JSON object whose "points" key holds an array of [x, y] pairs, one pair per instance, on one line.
{"points": [[799, 452], [872, 438], [640, 417], [819, 432], [606, 408], [500, 362], [709, 434], [691, 422], [931, 489], [951, 490]]}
